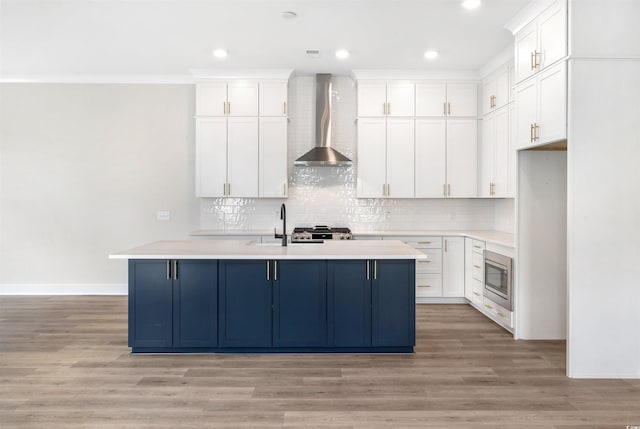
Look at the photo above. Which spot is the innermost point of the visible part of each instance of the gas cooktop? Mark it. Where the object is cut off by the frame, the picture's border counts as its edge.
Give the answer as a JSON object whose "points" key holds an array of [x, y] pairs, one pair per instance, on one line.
{"points": [[319, 233]]}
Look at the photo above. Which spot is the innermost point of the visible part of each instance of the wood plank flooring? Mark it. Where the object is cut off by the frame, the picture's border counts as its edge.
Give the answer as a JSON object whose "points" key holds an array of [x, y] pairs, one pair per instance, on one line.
{"points": [[64, 363]]}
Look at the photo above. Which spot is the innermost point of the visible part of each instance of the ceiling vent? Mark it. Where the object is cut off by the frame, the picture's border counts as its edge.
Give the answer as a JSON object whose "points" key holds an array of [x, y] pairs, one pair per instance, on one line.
{"points": [[313, 53]]}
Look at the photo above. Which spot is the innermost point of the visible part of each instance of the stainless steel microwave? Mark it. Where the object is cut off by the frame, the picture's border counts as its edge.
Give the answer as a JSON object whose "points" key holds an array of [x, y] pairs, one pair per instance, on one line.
{"points": [[497, 279]]}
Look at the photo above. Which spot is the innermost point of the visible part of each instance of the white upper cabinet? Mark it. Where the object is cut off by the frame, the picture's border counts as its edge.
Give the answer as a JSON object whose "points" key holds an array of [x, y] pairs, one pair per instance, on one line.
{"points": [[381, 99], [242, 157], [446, 158], [494, 155], [542, 42], [462, 158], [400, 158], [446, 99], [372, 157], [495, 90], [431, 158], [385, 158], [211, 157], [238, 153], [227, 98], [211, 99], [541, 108], [273, 157], [273, 98]]}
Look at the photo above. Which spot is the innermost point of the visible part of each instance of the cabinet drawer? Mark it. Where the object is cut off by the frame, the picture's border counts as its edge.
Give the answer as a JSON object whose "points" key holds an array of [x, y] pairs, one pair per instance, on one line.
{"points": [[425, 242], [428, 285], [477, 266], [476, 291], [478, 246], [497, 311], [433, 263]]}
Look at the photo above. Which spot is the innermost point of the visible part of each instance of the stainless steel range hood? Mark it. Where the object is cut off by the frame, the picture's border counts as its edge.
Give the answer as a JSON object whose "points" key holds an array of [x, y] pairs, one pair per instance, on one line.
{"points": [[323, 155]]}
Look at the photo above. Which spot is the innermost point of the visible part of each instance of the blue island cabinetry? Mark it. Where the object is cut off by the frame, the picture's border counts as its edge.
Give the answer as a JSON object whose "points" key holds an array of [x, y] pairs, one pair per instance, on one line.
{"points": [[271, 306]]}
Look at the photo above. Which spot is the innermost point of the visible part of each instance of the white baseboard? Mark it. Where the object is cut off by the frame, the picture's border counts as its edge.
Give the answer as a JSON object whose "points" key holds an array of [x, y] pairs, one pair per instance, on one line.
{"points": [[63, 289], [447, 300]]}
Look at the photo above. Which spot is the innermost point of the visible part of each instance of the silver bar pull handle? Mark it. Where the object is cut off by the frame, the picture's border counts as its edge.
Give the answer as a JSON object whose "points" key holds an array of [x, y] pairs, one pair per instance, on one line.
{"points": [[444, 108], [368, 269], [445, 246], [175, 269], [449, 110], [448, 190], [168, 268], [444, 189], [284, 107], [275, 270], [375, 269]]}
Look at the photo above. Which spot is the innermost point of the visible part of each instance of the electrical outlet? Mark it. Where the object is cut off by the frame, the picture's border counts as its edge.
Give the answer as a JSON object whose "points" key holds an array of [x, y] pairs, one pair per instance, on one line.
{"points": [[163, 215]]}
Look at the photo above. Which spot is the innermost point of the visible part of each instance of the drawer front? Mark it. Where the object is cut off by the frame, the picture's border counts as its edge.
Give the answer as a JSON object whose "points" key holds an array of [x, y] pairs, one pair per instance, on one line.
{"points": [[497, 311], [476, 291], [428, 285], [424, 242], [433, 263], [478, 246], [477, 266]]}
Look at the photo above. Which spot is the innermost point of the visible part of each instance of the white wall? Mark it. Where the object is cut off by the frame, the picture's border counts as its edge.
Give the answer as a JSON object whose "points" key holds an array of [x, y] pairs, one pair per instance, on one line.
{"points": [[603, 197], [83, 170], [326, 195]]}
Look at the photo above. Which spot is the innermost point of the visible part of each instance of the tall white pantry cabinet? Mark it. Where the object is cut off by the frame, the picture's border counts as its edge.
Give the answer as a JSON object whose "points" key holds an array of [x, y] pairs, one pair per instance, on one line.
{"points": [[241, 138]]}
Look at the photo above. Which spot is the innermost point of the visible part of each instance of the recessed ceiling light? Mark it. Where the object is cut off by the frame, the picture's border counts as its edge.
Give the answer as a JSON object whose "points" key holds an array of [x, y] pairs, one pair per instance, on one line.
{"points": [[219, 53], [470, 4], [430, 55], [342, 53], [287, 14]]}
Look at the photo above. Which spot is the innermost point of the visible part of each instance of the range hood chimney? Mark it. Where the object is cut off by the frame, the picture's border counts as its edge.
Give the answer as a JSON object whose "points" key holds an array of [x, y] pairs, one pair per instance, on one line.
{"points": [[323, 155]]}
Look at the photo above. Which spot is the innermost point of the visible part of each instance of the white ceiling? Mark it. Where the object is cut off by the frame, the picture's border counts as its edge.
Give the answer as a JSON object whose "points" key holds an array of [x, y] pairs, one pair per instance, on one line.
{"points": [[170, 37]]}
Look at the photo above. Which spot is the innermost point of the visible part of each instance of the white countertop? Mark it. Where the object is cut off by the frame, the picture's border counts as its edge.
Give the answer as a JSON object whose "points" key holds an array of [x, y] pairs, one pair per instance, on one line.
{"points": [[490, 236], [243, 249]]}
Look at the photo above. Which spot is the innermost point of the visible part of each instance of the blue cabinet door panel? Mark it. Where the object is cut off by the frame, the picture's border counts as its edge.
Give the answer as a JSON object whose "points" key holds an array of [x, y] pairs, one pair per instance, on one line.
{"points": [[393, 312], [195, 304], [150, 304], [300, 304], [349, 304], [245, 306]]}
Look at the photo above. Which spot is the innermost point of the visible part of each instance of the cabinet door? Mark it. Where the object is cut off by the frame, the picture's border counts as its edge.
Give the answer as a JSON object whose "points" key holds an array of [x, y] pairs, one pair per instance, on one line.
{"points": [[502, 88], [487, 156], [552, 104], [393, 317], [453, 267], [400, 158], [552, 34], [300, 303], [525, 112], [431, 99], [211, 156], [372, 99], [430, 163], [273, 157], [243, 157], [462, 157], [211, 98], [400, 99], [526, 42], [372, 157], [245, 304], [462, 99], [488, 94], [150, 303], [502, 157], [513, 153], [468, 277], [273, 98], [195, 303], [242, 98], [349, 303]]}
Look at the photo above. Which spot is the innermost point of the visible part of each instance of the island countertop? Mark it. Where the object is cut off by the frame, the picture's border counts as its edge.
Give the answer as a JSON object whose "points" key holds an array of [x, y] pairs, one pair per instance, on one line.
{"points": [[243, 249]]}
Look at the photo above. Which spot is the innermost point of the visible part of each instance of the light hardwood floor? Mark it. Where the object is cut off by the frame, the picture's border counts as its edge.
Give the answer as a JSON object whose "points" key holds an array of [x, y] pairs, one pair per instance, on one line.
{"points": [[64, 363]]}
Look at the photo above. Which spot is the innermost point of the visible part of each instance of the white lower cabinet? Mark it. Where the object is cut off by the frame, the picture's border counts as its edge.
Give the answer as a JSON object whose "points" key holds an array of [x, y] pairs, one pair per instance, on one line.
{"points": [[441, 275]]}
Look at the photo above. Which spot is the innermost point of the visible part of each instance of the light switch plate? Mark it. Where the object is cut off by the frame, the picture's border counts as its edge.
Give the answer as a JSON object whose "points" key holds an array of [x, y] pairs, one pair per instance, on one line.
{"points": [[164, 215]]}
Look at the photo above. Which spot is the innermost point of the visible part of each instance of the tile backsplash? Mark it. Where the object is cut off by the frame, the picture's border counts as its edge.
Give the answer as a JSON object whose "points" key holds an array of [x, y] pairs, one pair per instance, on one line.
{"points": [[327, 195]]}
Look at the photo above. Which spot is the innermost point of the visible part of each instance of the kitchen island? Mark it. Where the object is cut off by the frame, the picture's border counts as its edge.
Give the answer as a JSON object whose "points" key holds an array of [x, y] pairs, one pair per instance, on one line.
{"points": [[235, 296]]}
